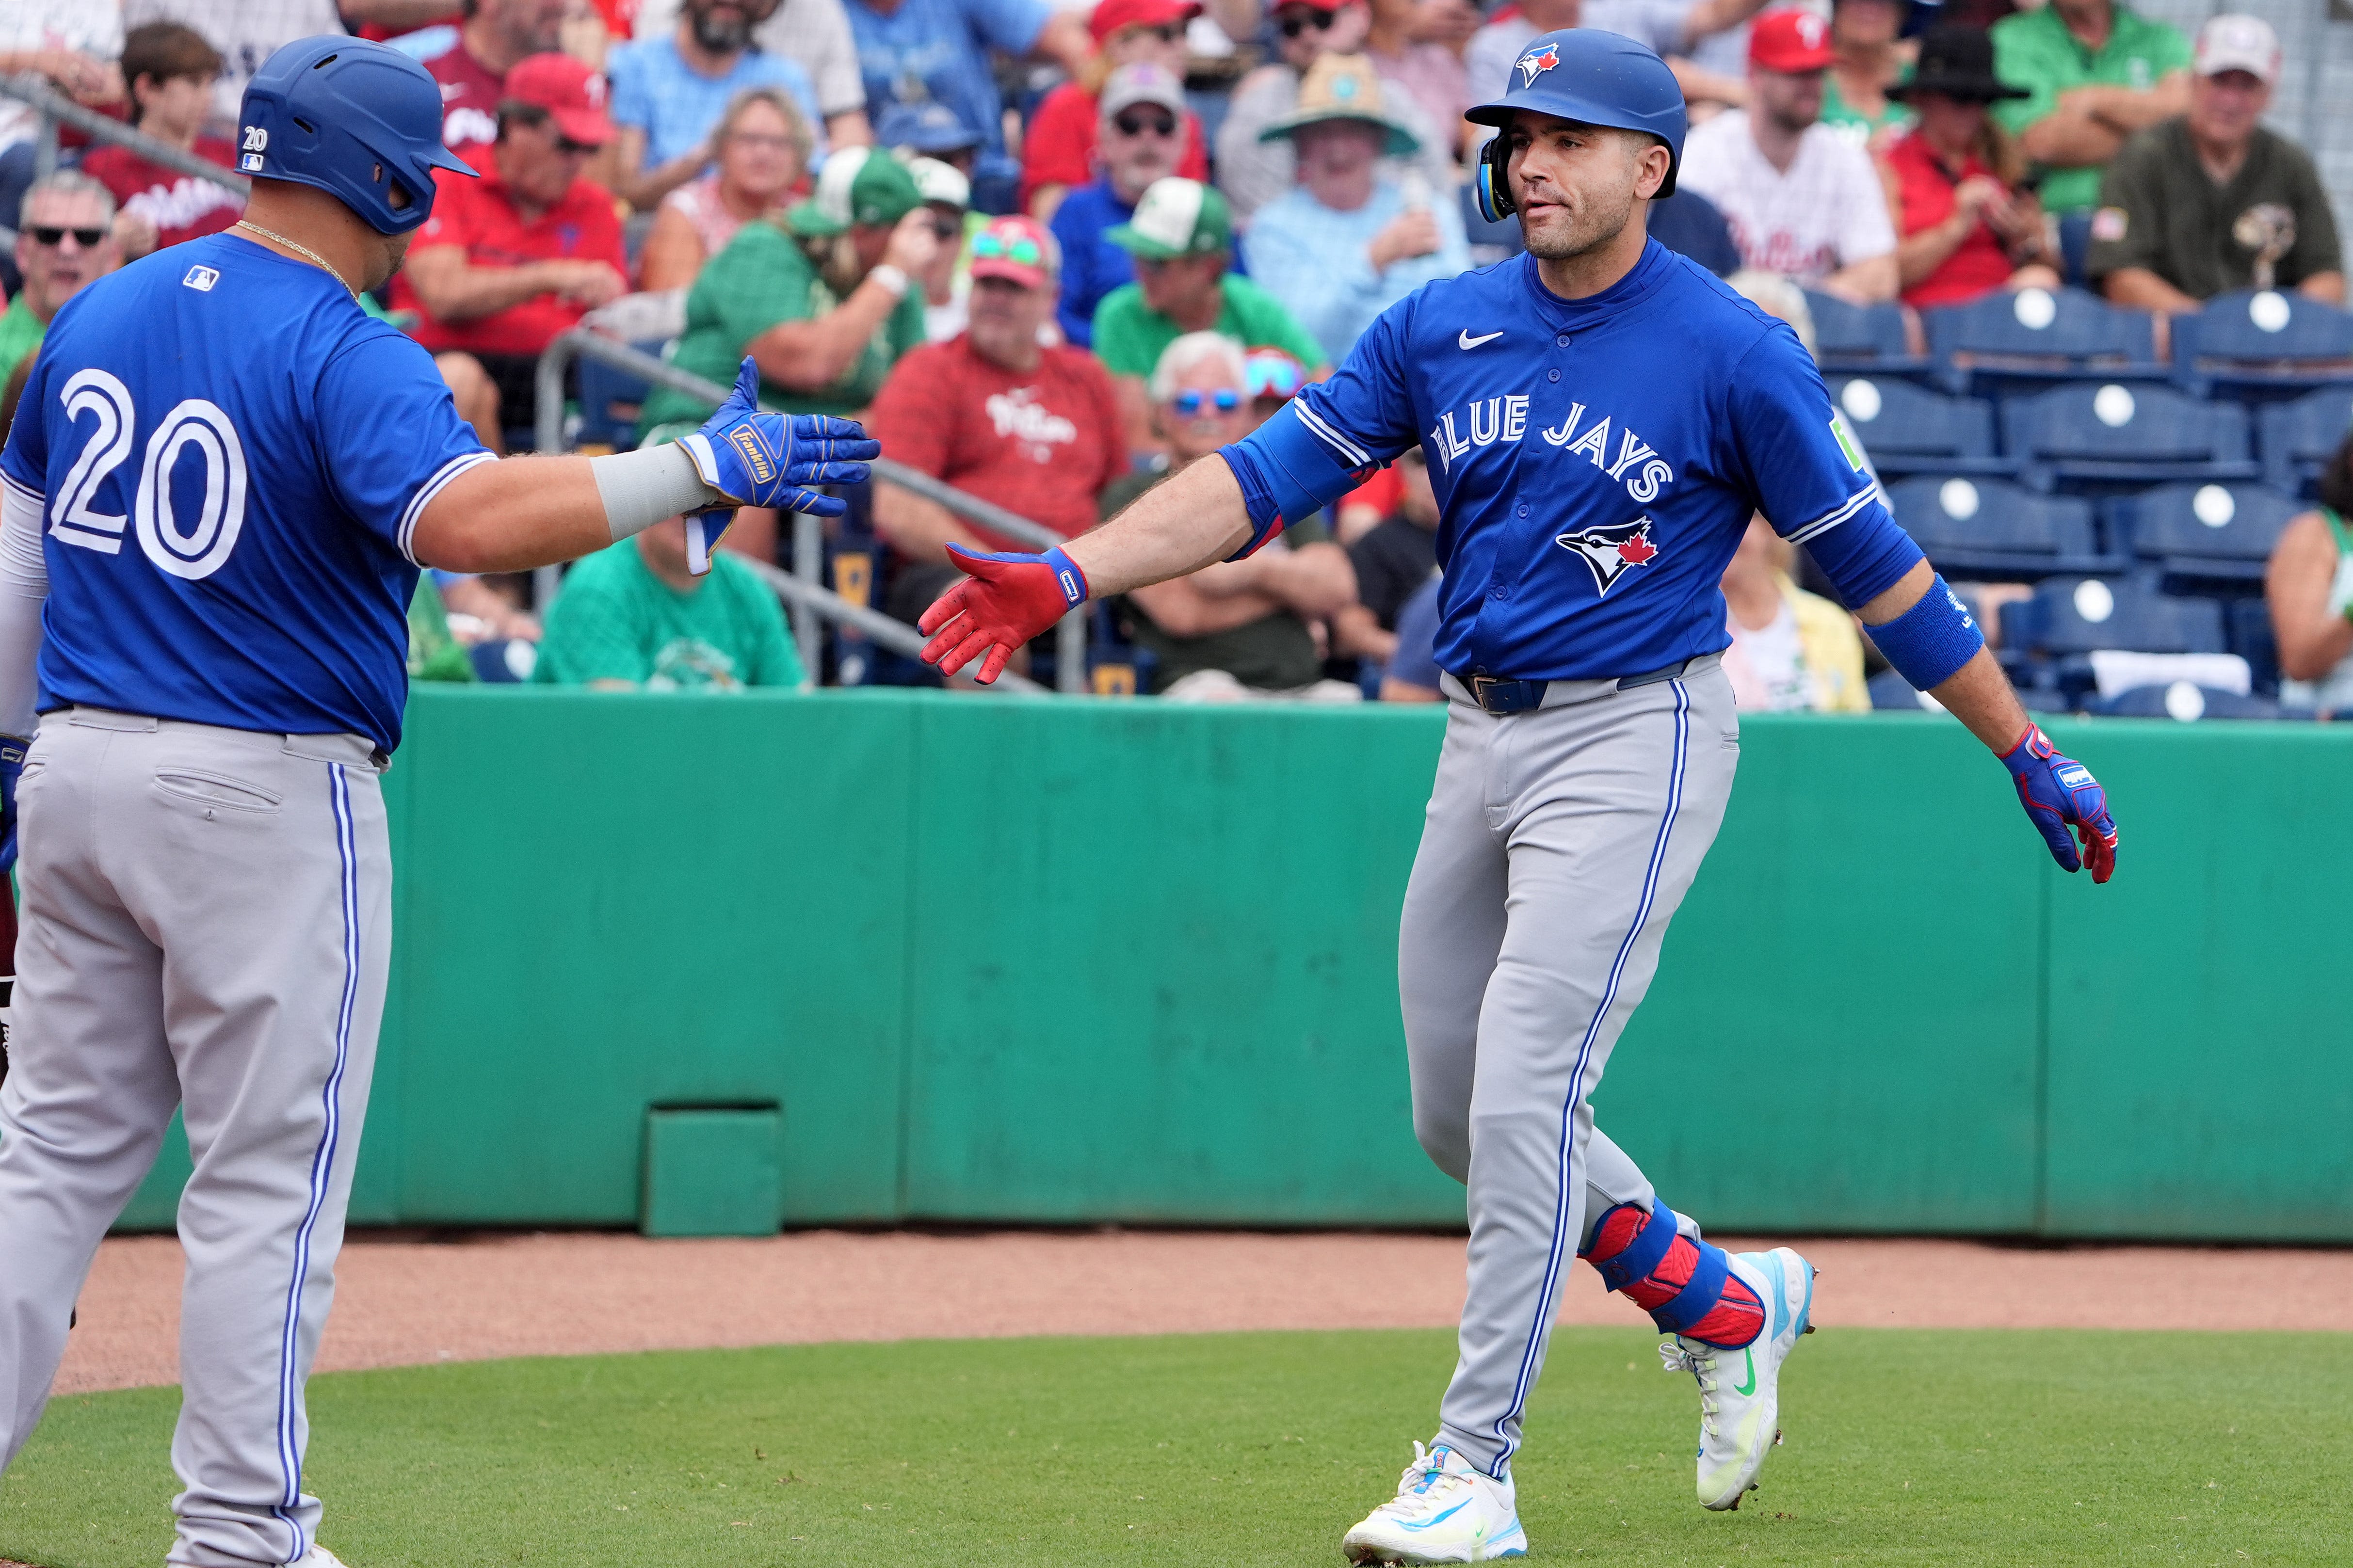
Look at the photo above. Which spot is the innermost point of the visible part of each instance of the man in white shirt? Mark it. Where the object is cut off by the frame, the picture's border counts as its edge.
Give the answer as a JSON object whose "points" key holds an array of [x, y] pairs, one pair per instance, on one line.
{"points": [[1802, 201]]}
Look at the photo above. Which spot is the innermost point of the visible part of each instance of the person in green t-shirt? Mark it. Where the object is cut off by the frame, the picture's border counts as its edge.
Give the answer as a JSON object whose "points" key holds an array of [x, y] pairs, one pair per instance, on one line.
{"points": [[2098, 73], [1855, 92], [632, 618], [824, 298], [1182, 237], [1240, 629]]}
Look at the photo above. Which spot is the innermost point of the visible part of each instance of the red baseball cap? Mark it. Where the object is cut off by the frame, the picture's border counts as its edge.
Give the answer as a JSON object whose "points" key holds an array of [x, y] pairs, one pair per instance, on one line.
{"points": [[1016, 249], [1790, 41], [1109, 15], [571, 92]]}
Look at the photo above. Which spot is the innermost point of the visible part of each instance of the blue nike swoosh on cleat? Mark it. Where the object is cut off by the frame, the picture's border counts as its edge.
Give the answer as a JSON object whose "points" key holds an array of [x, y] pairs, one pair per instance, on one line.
{"points": [[1441, 1518]]}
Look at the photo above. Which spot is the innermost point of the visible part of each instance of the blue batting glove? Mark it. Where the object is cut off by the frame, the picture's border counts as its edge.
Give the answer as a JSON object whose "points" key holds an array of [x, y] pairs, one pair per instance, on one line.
{"points": [[757, 458], [12, 768], [2059, 793]]}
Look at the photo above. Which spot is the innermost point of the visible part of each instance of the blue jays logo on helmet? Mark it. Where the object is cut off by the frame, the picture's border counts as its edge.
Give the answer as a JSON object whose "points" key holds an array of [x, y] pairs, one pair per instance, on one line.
{"points": [[1536, 62]]}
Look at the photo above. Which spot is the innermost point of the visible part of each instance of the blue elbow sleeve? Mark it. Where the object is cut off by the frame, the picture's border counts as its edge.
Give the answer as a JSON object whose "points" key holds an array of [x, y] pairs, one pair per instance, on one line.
{"points": [[1287, 471], [1928, 643]]}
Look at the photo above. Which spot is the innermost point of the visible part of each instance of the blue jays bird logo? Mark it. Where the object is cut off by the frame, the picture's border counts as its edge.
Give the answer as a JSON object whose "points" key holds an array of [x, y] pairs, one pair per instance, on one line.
{"points": [[1536, 62], [1613, 550]]}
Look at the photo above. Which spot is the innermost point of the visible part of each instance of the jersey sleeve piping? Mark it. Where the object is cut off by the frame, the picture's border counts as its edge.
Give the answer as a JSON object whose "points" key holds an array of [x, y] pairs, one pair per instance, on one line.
{"points": [[1822, 525], [427, 490], [25, 492], [1350, 453]]}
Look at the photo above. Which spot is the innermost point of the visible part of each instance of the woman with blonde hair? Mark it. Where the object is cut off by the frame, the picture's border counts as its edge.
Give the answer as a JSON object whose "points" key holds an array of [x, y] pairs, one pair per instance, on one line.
{"points": [[761, 152], [1059, 152]]}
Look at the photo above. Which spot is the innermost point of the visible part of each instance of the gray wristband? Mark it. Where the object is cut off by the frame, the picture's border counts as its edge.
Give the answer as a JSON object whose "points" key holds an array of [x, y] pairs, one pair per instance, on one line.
{"points": [[642, 488]]}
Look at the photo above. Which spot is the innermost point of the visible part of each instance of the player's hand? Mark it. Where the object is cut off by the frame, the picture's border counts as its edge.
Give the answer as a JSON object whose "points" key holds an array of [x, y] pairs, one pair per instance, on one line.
{"points": [[12, 768], [2059, 793], [756, 458], [1008, 599]]}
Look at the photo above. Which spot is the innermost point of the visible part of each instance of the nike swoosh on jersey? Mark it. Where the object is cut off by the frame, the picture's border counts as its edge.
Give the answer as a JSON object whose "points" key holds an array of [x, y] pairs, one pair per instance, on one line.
{"points": [[1468, 341]]}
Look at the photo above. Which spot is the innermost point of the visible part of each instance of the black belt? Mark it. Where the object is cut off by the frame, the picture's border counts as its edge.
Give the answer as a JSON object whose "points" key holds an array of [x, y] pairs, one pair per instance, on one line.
{"points": [[1500, 696]]}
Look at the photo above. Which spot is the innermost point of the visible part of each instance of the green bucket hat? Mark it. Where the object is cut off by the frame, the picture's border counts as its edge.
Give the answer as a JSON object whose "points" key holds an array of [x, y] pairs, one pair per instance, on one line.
{"points": [[1176, 217], [857, 185]]}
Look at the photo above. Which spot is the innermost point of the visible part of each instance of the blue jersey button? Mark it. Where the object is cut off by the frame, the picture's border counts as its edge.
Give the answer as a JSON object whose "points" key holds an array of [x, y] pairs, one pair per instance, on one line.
{"points": [[1562, 340], [1553, 374], [1523, 509]]}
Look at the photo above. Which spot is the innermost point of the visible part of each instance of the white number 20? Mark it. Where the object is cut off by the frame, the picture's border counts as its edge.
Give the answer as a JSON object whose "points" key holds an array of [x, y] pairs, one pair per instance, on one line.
{"points": [[195, 550]]}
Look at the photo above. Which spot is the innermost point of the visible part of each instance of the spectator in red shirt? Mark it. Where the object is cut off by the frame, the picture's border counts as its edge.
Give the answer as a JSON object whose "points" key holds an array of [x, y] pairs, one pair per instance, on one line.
{"points": [[995, 411], [508, 261], [473, 71], [1966, 225], [1058, 152], [170, 70]]}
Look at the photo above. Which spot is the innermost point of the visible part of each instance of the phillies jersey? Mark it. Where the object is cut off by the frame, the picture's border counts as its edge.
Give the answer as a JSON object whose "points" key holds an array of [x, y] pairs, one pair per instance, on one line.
{"points": [[1595, 461], [231, 458]]}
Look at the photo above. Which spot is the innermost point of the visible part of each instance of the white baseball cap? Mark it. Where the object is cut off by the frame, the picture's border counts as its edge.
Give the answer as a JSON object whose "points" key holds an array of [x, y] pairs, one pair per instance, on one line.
{"points": [[2239, 43]]}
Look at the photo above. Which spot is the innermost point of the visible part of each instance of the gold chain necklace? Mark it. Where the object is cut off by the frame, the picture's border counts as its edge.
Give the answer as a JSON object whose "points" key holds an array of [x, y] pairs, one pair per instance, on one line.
{"points": [[299, 250]]}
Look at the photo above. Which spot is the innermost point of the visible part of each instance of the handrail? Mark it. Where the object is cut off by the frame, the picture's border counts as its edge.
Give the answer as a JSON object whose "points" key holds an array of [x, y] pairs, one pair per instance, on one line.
{"points": [[878, 627], [1071, 633], [29, 88]]}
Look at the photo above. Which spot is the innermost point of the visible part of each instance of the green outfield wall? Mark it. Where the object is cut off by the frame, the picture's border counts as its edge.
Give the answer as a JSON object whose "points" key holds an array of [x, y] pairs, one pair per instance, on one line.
{"points": [[1054, 961]]}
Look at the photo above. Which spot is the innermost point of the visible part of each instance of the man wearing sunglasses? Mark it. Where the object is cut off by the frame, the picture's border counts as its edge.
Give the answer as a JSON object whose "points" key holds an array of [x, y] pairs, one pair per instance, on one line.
{"points": [[1144, 137], [509, 261], [1057, 151], [65, 238]]}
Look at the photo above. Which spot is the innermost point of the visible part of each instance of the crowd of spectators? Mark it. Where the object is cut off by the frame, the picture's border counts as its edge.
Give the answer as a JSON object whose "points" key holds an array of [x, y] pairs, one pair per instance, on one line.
{"points": [[1053, 253]]}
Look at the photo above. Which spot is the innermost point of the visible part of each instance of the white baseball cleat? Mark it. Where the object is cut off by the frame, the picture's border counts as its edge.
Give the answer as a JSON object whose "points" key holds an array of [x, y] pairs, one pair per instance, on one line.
{"points": [[319, 1557], [1445, 1511], [1739, 1390]]}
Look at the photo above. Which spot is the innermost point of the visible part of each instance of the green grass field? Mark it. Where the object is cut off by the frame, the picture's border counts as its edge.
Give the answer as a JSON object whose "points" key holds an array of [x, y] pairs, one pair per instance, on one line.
{"points": [[1904, 1447]]}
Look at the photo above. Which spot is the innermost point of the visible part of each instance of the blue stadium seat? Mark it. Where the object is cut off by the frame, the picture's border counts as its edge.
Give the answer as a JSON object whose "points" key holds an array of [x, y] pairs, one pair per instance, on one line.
{"points": [[1990, 528], [2034, 337], [1861, 339], [2215, 534], [2249, 622], [2183, 700], [2082, 615], [1891, 693], [1909, 430], [609, 401], [2299, 437], [2096, 437], [2260, 345]]}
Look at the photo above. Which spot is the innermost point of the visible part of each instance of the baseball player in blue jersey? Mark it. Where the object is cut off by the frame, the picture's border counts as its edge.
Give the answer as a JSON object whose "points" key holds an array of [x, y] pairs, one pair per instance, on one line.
{"points": [[221, 482], [1601, 418]]}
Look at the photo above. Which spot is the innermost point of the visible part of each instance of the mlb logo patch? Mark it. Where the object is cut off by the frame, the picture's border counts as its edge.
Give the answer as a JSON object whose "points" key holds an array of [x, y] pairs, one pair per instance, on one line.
{"points": [[1536, 62], [249, 162], [200, 279]]}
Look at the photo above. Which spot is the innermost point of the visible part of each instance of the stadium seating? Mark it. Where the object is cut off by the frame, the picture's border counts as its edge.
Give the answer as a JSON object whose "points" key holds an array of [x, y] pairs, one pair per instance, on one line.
{"points": [[2184, 700], [2096, 438], [2299, 437], [1861, 339], [2082, 615], [2248, 623], [2011, 341], [1990, 528], [2202, 534], [1909, 430], [2258, 345]]}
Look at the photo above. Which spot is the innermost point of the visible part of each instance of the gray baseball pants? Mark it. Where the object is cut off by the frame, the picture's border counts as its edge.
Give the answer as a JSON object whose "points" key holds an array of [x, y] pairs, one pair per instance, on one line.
{"points": [[1557, 846], [208, 924]]}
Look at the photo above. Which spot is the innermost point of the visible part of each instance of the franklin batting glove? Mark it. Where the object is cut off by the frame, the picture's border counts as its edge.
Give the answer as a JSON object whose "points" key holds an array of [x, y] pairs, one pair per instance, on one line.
{"points": [[1008, 598], [2059, 793], [755, 459]]}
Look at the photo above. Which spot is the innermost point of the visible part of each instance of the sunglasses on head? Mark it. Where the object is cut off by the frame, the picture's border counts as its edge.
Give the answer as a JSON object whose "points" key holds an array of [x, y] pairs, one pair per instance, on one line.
{"points": [[86, 238], [1293, 25], [1020, 250], [1188, 404], [1133, 123], [1272, 377]]}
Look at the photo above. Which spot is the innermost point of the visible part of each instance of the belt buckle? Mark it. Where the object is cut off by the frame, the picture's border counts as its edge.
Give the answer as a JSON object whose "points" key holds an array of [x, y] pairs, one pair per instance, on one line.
{"points": [[1479, 685]]}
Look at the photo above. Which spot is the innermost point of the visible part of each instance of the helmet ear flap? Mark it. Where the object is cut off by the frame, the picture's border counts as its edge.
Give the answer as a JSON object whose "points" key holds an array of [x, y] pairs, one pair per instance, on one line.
{"points": [[1491, 182]]}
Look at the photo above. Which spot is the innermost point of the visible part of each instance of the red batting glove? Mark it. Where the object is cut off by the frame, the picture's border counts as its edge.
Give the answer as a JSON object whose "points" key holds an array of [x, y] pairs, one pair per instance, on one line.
{"points": [[1008, 598]]}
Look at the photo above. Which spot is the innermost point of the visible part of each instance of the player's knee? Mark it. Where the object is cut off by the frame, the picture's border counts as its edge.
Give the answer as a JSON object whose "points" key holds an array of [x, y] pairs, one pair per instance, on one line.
{"points": [[1446, 1139]]}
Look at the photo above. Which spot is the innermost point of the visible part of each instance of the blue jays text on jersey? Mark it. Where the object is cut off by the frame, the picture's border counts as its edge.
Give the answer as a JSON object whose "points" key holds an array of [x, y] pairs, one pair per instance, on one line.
{"points": [[1595, 461], [231, 457]]}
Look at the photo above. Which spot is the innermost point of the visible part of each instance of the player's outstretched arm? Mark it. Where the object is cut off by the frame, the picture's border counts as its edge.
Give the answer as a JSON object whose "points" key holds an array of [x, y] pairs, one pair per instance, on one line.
{"points": [[524, 513], [1173, 530], [1923, 629]]}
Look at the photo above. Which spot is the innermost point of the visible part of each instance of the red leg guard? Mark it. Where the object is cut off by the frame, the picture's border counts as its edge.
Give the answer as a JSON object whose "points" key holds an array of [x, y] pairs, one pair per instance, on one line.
{"points": [[1738, 1317]]}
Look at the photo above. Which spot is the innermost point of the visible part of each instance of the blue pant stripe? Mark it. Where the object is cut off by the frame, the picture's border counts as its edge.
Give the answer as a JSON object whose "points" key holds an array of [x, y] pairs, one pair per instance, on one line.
{"points": [[323, 1160], [1547, 1297]]}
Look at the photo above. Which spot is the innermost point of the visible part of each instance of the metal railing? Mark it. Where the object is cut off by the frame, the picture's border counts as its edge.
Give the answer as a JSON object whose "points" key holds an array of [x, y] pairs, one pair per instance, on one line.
{"points": [[55, 109], [809, 544]]}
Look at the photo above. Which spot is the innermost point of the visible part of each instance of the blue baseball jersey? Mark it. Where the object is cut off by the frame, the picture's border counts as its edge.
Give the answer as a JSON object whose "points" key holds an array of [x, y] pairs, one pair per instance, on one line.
{"points": [[232, 457], [1595, 461]]}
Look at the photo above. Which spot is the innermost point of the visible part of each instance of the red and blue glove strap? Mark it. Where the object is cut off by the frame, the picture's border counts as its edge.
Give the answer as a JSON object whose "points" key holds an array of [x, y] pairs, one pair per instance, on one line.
{"points": [[1068, 577]]}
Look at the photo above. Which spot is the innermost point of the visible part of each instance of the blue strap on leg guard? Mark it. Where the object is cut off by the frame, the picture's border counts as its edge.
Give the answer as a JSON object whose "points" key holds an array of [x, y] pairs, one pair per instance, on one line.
{"points": [[1928, 643], [1698, 1298], [1641, 1257]]}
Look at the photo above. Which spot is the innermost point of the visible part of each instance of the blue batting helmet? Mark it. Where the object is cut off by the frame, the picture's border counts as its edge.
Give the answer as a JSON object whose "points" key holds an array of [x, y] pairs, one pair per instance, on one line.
{"points": [[355, 119], [1591, 77]]}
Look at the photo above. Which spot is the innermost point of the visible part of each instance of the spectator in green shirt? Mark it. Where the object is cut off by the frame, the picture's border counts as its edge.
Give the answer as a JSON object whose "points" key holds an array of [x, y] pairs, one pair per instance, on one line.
{"points": [[2212, 201], [1854, 94], [2099, 73], [631, 617], [1182, 237], [824, 298], [64, 238]]}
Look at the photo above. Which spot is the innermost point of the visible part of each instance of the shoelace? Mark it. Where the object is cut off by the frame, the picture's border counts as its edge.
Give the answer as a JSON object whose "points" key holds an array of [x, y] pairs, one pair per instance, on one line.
{"points": [[1675, 1356], [1420, 1483]]}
